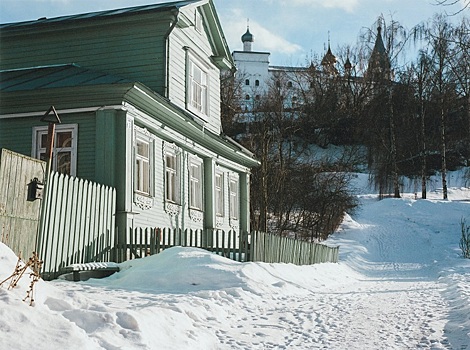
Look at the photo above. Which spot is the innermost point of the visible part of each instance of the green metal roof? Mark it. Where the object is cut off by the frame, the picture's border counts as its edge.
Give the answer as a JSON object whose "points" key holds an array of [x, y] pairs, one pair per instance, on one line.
{"points": [[75, 87], [108, 13], [57, 76]]}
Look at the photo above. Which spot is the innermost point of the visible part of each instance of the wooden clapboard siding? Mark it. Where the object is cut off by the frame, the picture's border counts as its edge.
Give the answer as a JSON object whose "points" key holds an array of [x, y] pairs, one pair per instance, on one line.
{"points": [[134, 51], [86, 145], [77, 223], [198, 43], [157, 215], [177, 70], [17, 133]]}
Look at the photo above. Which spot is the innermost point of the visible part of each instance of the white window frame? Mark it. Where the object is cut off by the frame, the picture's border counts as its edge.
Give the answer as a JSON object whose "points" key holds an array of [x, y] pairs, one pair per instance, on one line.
{"points": [[234, 197], [196, 183], [172, 176], [143, 164], [38, 131], [219, 193], [197, 105]]}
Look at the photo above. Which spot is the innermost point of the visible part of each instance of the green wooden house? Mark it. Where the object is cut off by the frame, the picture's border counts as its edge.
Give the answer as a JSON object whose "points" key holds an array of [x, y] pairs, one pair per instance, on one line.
{"points": [[138, 94]]}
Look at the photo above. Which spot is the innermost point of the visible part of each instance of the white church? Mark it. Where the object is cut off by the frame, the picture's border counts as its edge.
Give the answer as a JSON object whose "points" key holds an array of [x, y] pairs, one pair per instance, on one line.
{"points": [[257, 75]]}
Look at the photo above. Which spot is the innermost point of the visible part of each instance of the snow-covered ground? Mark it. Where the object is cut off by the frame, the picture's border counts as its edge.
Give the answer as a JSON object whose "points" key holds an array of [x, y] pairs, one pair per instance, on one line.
{"points": [[401, 283]]}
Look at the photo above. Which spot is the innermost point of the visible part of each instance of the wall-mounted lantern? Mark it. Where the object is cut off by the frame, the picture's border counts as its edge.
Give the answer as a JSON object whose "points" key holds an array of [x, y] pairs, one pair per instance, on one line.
{"points": [[35, 190]]}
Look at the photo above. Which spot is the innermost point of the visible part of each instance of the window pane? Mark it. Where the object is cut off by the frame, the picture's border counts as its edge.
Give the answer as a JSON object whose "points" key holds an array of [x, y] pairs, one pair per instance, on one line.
{"points": [[170, 186], [64, 154], [142, 165], [234, 199], [195, 186], [171, 178], [64, 139], [219, 197], [198, 88], [143, 149], [63, 162], [43, 142], [145, 177], [197, 74], [42, 156]]}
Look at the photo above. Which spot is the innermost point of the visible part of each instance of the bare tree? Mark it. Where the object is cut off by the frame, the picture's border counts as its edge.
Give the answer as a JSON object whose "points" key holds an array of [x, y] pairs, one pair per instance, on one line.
{"points": [[438, 34], [421, 73], [383, 66], [230, 93], [459, 61], [453, 4]]}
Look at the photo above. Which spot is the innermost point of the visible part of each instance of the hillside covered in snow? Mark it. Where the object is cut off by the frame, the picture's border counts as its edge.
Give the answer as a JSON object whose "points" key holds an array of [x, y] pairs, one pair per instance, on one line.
{"points": [[401, 283]]}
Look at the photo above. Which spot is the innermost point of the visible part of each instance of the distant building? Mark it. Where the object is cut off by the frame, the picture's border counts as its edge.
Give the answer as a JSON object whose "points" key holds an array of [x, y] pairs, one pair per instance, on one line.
{"points": [[379, 66], [258, 76]]}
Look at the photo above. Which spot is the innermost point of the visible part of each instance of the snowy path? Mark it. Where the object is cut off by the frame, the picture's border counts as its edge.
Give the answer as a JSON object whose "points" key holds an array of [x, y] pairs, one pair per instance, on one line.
{"points": [[364, 314]]}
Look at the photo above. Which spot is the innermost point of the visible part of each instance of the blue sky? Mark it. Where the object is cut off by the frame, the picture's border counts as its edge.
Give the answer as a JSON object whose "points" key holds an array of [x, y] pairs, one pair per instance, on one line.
{"points": [[292, 30]]}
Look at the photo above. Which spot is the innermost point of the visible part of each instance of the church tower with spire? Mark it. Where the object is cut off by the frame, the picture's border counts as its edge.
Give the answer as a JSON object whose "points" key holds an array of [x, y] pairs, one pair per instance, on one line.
{"points": [[379, 66], [252, 70], [329, 60]]}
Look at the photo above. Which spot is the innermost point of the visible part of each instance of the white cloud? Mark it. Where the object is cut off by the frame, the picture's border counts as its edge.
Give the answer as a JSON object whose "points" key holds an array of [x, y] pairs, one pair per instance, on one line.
{"points": [[268, 41], [265, 40]]}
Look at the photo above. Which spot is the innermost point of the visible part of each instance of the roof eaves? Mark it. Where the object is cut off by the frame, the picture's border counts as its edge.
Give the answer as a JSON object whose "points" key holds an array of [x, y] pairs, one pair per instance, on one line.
{"points": [[218, 41], [188, 121], [107, 13]]}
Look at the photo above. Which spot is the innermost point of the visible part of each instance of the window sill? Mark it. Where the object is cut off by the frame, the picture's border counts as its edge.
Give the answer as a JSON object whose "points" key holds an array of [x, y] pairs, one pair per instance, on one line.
{"points": [[199, 115], [143, 200], [219, 221], [196, 214], [234, 223], [172, 209]]}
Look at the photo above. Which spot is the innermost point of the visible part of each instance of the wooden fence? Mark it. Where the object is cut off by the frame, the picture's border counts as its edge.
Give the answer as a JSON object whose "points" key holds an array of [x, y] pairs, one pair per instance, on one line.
{"points": [[77, 223], [19, 213], [277, 249], [141, 242], [257, 246]]}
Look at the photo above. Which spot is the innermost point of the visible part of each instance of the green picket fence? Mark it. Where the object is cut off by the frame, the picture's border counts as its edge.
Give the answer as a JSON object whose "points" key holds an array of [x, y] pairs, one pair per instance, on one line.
{"points": [[77, 223], [140, 242], [257, 246], [277, 249]]}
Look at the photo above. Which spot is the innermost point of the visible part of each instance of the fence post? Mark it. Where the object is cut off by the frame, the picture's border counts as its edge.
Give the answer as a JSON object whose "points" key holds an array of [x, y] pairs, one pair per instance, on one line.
{"points": [[153, 240]]}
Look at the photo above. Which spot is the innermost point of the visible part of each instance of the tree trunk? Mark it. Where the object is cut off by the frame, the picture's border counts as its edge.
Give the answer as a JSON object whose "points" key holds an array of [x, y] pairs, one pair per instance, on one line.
{"points": [[443, 152], [423, 152], [393, 150], [263, 217]]}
